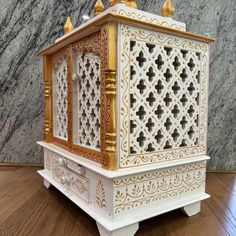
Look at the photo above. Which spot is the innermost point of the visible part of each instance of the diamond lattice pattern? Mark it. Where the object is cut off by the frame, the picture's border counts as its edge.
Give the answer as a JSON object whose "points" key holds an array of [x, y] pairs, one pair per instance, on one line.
{"points": [[164, 97], [88, 101], [60, 100]]}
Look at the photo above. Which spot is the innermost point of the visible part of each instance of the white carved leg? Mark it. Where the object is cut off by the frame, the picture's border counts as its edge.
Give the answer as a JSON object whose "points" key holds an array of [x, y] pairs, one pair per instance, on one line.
{"points": [[46, 183], [192, 209], [129, 230]]}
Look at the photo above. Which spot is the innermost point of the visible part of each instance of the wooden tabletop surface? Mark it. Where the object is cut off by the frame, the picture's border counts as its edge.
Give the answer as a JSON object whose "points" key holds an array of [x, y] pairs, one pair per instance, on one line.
{"points": [[28, 208]]}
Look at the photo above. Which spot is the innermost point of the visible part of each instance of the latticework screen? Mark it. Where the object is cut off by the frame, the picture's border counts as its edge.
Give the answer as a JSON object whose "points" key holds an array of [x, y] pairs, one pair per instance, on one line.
{"points": [[162, 87], [164, 97], [60, 103], [87, 101]]}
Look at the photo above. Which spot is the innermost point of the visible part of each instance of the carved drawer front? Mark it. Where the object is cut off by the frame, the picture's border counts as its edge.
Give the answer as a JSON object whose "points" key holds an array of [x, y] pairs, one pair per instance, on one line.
{"points": [[63, 170], [79, 185]]}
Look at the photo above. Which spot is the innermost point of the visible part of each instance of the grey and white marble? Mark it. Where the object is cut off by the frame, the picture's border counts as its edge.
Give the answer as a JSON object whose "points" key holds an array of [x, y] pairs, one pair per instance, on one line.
{"points": [[30, 25]]}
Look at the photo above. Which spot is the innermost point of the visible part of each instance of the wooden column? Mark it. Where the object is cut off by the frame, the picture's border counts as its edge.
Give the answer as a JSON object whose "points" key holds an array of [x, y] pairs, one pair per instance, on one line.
{"points": [[48, 98], [69, 61], [109, 42]]}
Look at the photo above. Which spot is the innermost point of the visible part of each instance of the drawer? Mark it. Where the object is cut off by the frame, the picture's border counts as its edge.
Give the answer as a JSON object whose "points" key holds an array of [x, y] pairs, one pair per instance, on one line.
{"points": [[62, 161], [77, 183]]}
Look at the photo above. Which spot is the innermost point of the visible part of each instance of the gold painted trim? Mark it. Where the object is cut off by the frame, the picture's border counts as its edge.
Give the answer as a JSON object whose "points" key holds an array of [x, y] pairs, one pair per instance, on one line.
{"points": [[69, 62], [48, 98], [126, 20], [109, 36], [99, 7]]}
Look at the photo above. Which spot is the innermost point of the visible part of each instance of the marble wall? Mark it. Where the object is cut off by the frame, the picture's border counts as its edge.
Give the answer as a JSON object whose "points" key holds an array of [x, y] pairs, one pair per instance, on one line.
{"points": [[30, 25]]}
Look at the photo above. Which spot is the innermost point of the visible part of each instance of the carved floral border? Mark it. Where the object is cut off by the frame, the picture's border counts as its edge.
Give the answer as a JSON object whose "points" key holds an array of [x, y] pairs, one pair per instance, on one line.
{"points": [[126, 33]]}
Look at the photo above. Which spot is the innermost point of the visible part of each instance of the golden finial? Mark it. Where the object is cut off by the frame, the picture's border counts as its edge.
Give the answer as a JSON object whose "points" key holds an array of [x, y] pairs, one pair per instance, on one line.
{"points": [[168, 9], [68, 27], [112, 3], [132, 4], [99, 7]]}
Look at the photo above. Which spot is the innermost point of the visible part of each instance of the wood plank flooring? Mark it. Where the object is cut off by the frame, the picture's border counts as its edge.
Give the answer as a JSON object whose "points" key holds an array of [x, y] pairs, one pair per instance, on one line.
{"points": [[28, 208]]}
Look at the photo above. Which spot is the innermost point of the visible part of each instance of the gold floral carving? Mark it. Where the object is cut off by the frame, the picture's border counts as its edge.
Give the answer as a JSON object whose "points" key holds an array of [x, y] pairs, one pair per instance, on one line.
{"points": [[89, 44], [127, 160], [149, 188], [160, 174], [100, 195], [80, 186], [153, 20]]}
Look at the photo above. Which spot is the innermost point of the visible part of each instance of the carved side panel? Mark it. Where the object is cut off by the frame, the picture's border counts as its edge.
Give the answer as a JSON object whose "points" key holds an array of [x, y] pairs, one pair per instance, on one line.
{"points": [[163, 83], [143, 190]]}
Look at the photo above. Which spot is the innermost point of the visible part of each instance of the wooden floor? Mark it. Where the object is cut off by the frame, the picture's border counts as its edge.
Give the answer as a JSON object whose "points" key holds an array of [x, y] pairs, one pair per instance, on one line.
{"points": [[28, 208]]}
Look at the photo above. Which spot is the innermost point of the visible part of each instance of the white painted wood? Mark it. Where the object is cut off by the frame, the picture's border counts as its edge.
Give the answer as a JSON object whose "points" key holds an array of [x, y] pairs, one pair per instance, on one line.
{"points": [[167, 80], [115, 224], [46, 183], [192, 209], [123, 10], [161, 125], [96, 167], [86, 115], [129, 230]]}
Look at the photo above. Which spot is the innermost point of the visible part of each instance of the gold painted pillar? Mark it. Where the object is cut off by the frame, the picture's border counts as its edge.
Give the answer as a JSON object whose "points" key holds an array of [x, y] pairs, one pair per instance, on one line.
{"points": [[109, 44], [69, 61], [48, 98]]}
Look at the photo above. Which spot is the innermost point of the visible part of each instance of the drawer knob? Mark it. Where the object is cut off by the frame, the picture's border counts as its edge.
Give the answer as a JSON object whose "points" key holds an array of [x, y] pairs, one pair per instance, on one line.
{"points": [[62, 162], [65, 180], [81, 170]]}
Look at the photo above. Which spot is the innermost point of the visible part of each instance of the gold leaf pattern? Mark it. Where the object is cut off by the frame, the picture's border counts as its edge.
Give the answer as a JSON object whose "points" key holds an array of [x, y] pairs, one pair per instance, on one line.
{"points": [[100, 195]]}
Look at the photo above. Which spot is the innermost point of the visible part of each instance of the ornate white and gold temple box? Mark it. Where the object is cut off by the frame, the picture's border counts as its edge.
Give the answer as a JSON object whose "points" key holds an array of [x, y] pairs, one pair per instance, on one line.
{"points": [[126, 117]]}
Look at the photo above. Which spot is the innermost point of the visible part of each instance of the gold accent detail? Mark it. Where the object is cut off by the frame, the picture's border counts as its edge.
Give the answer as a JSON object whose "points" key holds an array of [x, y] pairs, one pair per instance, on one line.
{"points": [[90, 44], [69, 62], [109, 101], [150, 19], [168, 9], [99, 7], [68, 27], [117, 17], [152, 187], [112, 3], [80, 186], [100, 195], [48, 98], [47, 89], [127, 160], [132, 4]]}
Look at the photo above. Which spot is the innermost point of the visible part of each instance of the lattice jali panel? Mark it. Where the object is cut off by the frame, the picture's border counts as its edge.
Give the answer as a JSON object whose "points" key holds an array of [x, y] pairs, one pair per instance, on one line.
{"points": [[162, 81], [87, 101], [60, 103], [164, 97]]}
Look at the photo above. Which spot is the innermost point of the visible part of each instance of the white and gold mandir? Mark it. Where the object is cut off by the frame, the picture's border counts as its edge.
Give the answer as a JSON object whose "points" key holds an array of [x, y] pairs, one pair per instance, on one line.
{"points": [[125, 132]]}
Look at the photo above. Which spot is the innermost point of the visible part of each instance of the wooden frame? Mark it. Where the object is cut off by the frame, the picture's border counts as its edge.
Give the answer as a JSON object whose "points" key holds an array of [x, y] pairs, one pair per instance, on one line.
{"points": [[106, 51]]}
